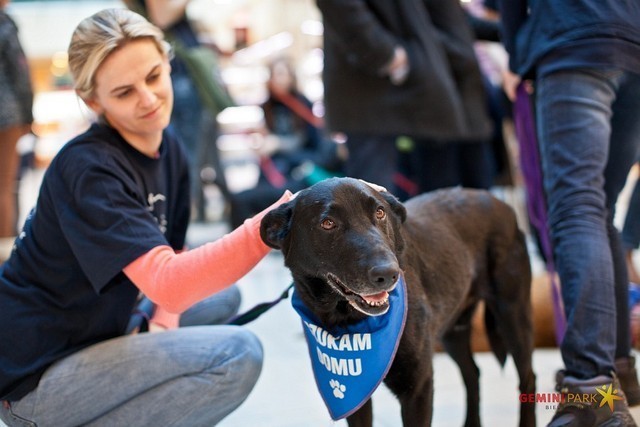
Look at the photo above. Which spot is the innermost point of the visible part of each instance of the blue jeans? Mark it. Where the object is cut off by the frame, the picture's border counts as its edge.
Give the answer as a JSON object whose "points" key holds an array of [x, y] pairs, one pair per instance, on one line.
{"points": [[631, 228], [589, 133], [191, 376], [187, 121], [186, 117], [187, 377], [215, 310]]}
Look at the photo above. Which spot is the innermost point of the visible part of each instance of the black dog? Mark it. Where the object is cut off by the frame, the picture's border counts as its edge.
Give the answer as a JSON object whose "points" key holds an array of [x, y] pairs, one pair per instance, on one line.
{"points": [[345, 242]]}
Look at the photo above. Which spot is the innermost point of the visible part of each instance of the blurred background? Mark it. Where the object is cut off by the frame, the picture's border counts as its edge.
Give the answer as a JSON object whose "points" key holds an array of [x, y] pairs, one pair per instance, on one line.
{"points": [[246, 34]]}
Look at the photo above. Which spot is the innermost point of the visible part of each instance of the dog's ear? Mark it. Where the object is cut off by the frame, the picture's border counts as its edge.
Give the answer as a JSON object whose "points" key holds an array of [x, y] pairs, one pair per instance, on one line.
{"points": [[275, 225], [396, 206]]}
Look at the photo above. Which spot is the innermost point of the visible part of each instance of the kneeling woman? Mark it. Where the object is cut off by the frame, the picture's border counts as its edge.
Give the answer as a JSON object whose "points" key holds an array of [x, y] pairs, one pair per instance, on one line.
{"points": [[110, 222]]}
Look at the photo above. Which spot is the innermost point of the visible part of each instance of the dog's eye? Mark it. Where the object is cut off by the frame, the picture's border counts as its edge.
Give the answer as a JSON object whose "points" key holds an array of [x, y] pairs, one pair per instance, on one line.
{"points": [[328, 224], [380, 213]]}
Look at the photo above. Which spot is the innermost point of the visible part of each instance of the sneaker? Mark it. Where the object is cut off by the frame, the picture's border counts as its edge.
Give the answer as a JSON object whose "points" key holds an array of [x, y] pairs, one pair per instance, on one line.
{"points": [[595, 402], [628, 376]]}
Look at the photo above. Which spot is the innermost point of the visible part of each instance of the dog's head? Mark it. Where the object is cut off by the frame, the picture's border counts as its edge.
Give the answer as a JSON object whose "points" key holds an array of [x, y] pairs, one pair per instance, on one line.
{"points": [[341, 240]]}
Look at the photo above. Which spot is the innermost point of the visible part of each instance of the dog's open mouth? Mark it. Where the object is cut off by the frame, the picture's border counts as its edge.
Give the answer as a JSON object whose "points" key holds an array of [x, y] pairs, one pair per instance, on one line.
{"points": [[371, 305]]}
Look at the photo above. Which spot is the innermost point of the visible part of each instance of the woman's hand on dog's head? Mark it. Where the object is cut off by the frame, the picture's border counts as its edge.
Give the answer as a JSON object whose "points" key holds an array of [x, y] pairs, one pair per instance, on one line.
{"points": [[376, 187]]}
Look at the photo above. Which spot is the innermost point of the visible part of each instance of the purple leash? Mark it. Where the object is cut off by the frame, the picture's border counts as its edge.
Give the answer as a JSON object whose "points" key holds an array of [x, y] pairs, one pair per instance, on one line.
{"points": [[536, 203]]}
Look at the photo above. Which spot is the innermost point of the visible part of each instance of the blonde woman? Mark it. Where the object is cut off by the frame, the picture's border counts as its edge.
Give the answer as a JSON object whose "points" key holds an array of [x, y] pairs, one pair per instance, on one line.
{"points": [[109, 224]]}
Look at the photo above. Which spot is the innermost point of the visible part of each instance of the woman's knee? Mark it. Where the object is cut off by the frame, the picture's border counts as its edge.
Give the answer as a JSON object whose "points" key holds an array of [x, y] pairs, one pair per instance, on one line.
{"points": [[230, 373], [224, 351], [247, 362], [215, 310], [227, 382]]}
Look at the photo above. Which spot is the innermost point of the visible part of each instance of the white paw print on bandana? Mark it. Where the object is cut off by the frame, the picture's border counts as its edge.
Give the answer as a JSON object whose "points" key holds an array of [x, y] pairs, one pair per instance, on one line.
{"points": [[338, 389]]}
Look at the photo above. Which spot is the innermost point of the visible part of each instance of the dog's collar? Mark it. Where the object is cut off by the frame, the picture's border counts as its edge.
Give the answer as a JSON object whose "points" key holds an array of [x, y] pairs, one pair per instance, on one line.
{"points": [[350, 362]]}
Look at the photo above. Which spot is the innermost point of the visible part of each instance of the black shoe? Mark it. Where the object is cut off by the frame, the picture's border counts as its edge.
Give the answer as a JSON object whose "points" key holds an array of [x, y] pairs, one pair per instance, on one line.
{"points": [[628, 376], [596, 402]]}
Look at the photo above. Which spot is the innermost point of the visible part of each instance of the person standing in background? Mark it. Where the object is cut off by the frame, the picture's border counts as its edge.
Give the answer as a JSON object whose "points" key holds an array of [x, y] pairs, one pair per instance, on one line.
{"points": [[402, 68], [472, 162], [583, 57], [16, 103]]}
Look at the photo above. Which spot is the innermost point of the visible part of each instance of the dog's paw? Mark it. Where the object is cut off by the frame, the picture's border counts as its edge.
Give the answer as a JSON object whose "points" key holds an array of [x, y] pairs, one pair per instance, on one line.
{"points": [[338, 389]]}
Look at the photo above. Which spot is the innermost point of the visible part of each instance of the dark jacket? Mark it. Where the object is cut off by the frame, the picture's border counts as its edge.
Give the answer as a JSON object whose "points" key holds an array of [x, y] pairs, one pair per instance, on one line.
{"points": [[16, 94], [546, 35], [442, 98]]}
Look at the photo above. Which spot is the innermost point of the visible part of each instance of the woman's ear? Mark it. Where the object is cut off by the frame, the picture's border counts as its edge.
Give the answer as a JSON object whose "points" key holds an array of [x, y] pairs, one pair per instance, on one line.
{"points": [[93, 105]]}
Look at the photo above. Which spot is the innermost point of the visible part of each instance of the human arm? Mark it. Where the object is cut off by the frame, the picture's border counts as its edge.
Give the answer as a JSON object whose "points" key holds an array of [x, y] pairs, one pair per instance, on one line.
{"points": [[175, 281], [513, 14]]}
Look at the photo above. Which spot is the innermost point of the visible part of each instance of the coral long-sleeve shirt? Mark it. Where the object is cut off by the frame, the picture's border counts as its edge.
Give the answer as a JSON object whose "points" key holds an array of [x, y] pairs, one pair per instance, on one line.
{"points": [[175, 281]]}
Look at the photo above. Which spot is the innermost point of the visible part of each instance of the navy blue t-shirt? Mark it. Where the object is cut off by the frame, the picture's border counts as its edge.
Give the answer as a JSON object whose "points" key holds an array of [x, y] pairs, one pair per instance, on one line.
{"points": [[102, 205]]}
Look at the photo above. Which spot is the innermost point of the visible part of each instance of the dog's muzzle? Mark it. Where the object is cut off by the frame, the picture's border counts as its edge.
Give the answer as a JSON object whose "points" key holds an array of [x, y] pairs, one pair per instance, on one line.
{"points": [[374, 304]]}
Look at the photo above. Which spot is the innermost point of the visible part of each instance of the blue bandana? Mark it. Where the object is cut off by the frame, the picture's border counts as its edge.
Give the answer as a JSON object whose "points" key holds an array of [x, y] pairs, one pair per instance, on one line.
{"points": [[350, 362]]}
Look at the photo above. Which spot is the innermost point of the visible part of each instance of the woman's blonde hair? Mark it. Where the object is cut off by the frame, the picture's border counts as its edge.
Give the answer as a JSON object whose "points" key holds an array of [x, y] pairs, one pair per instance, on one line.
{"points": [[99, 35]]}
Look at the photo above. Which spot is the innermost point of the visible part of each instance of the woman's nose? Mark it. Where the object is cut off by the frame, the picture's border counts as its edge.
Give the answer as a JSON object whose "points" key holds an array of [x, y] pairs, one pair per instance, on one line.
{"points": [[147, 96]]}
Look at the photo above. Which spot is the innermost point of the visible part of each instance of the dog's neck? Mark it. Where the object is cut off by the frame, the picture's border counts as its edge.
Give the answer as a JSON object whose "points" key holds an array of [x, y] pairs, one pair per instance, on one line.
{"points": [[342, 315]]}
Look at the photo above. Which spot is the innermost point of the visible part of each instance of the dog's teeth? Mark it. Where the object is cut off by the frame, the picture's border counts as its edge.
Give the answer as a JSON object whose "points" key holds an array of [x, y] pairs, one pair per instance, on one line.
{"points": [[377, 303], [376, 300]]}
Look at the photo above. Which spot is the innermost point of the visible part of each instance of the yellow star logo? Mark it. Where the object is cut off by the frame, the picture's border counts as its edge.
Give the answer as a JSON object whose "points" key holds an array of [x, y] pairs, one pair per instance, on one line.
{"points": [[608, 396]]}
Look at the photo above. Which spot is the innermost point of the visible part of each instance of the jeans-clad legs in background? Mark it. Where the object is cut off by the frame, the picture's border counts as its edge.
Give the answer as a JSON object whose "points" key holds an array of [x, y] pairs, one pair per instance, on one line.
{"points": [[186, 118], [187, 121], [631, 232], [588, 134], [373, 158]]}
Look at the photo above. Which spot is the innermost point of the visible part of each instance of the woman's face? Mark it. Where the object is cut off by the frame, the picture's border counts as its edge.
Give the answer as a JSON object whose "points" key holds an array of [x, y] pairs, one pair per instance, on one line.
{"points": [[133, 92]]}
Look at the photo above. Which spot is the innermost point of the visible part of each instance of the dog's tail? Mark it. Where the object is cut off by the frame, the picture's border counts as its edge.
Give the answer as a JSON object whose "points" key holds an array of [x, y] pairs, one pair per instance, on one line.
{"points": [[508, 311], [495, 339]]}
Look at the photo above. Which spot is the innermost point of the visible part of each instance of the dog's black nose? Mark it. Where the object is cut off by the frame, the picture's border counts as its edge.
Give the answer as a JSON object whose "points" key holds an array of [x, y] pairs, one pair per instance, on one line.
{"points": [[384, 274]]}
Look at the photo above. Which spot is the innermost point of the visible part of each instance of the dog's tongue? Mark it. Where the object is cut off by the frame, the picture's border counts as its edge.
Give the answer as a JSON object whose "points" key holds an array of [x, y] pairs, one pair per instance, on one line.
{"points": [[382, 296]]}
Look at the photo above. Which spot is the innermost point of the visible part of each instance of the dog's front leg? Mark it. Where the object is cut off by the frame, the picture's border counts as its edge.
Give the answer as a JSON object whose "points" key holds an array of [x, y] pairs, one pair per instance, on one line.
{"points": [[363, 417], [417, 406]]}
